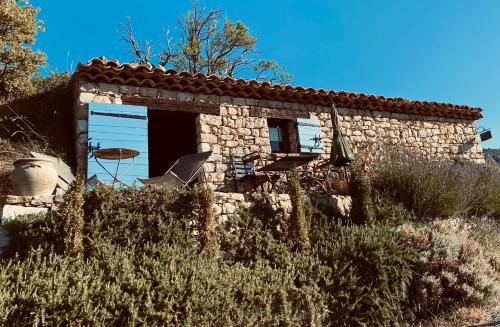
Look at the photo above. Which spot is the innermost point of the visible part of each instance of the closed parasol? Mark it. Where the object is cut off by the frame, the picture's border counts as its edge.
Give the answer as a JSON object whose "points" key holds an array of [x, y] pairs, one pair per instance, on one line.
{"points": [[341, 154]]}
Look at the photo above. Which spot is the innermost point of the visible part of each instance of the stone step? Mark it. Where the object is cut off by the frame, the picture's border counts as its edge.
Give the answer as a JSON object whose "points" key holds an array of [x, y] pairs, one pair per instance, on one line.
{"points": [[10, 211], [34, 201]]}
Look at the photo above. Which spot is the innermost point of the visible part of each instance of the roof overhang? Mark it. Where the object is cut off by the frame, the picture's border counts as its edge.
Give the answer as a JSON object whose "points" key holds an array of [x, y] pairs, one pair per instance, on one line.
{"points": [[101, 70]]}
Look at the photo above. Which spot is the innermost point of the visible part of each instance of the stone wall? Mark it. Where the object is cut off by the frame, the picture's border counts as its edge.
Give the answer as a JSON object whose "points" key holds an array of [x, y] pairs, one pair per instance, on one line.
{"points": [[227, 204], [242, 127], [18, 205], [234, 132], [431, 136]]}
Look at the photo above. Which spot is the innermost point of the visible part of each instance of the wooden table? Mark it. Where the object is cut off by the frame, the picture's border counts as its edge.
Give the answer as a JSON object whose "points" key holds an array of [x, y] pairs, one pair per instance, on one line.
{"points": [[115, 154], [284, 163]]}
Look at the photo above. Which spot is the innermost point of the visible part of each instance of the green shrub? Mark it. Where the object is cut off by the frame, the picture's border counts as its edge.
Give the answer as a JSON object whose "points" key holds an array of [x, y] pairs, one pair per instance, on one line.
{"points": [[369, 272], [453, 269], [389, 212], [481, 187], [151, 285], [58, 231], [298, 223], [135, 216], [71, 215], [430, 189], [361, 191], [207, 222], [144, 266], [256, 234], [325, 223], [32, 232], [364, 271], [123, 217], [439, 188]]}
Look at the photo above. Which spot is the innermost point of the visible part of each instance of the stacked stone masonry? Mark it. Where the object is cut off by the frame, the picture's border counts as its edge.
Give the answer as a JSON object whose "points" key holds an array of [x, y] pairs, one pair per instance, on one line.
{"points": [[228, 204], [241, 127], [18, 205]]}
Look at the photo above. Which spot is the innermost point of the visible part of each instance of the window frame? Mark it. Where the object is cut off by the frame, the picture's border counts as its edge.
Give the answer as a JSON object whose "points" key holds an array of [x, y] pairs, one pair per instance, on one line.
{"points": [[283, 127]]}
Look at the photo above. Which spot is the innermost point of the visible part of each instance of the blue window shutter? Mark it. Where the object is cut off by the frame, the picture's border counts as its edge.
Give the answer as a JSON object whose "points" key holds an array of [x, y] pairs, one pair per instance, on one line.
{"points": [[118, 126], [309, 136]]}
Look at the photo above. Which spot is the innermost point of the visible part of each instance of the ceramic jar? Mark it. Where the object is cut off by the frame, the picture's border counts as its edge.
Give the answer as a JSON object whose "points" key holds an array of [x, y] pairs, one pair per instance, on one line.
{"points": [[33, 176]]}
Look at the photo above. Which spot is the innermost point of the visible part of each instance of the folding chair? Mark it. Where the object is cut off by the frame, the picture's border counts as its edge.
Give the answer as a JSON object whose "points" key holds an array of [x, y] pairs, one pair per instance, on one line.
{"points": [[244, 172], [92, 182], [182, 172]]}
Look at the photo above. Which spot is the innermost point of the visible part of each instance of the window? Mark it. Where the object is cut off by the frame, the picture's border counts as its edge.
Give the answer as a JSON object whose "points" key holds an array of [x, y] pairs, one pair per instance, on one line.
{"points": [[278, 135]]}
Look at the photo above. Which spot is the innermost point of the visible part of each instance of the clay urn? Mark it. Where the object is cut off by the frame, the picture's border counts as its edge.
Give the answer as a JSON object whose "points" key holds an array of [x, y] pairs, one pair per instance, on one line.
{"points": [[33, 176]]}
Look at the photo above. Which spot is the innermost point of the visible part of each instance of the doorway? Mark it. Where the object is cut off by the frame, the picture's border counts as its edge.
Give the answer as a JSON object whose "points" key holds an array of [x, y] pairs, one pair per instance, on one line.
{"points": [[171, 134]]}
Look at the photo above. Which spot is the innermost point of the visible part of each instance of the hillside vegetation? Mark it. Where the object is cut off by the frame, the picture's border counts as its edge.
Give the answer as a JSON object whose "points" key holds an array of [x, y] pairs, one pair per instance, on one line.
{"points": [[40, 121], [492, 155], [157, 257]]}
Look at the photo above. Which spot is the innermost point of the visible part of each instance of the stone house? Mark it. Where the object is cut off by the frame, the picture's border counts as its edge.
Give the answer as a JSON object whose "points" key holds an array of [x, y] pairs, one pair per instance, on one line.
{"points": [[188, 113]]}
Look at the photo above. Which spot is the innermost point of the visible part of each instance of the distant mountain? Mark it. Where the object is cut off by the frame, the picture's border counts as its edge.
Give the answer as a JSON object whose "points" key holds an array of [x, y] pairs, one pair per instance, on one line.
{"points": [[492, 155]]}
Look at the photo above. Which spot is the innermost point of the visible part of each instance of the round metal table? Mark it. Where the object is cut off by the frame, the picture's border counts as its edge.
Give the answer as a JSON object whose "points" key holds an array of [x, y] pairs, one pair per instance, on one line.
{"points": [[115, 154]]}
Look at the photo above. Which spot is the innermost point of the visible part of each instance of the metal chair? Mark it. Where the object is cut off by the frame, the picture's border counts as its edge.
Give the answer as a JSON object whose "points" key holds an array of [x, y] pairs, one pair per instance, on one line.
{"points": [[182, 172], [244, 172]]}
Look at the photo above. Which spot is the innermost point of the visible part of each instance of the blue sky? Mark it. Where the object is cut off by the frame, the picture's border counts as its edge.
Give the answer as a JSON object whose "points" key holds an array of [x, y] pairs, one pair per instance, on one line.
{"points": [[437, 50]]}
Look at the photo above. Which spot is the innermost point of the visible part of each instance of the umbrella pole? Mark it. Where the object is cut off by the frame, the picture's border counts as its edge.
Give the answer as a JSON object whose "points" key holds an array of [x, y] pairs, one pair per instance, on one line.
{"points": [[346, 175]]}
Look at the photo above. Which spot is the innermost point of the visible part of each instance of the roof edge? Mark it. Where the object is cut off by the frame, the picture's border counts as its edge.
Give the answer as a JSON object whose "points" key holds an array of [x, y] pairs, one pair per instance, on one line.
{"points": [[102, 70]]}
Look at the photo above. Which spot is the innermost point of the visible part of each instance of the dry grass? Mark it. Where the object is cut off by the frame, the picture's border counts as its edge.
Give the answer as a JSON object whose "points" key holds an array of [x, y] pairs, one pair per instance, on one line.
{"points": [[462, 316], [437, 188], [486, 231]]}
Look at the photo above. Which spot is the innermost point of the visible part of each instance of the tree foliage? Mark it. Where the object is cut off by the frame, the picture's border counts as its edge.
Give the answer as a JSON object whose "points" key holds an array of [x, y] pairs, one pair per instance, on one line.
{"points": [[203, 45], [18, 61]]}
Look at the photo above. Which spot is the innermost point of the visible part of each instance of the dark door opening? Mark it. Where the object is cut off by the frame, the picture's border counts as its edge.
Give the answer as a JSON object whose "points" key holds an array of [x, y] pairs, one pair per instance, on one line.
{"points": [[171, 134]]}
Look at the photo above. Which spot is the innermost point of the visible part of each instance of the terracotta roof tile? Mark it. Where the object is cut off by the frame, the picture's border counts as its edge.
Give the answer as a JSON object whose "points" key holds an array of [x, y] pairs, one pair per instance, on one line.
{"points": [[101, 70]]}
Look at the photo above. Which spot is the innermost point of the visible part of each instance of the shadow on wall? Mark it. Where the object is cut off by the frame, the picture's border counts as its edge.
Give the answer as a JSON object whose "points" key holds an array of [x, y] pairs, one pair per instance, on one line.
{"points": [[469, 145]]}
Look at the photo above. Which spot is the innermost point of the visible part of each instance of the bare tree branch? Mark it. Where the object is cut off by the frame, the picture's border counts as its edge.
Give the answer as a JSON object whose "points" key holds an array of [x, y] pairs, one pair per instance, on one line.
{"points": [[127, 35], [167, 54], [203, 44], [241, 62]]}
